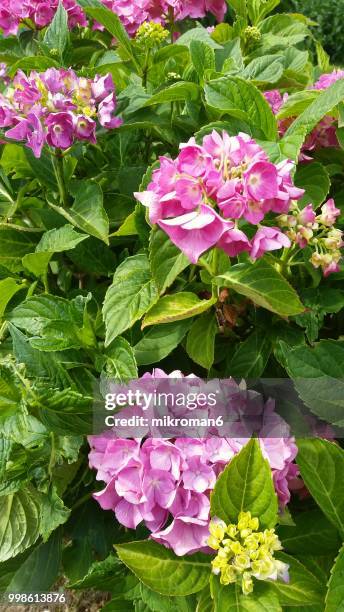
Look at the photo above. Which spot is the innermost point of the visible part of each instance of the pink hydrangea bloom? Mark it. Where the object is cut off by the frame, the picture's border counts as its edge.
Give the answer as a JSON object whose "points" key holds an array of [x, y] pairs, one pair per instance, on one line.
{"points": [[40, 12], [57, 107], [166, 483], [132, 14], [326, 80], [199, 197]]}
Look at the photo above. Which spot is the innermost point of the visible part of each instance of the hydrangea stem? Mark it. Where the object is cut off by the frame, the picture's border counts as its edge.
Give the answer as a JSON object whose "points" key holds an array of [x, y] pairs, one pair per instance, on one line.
{"points": [[57, 160]]}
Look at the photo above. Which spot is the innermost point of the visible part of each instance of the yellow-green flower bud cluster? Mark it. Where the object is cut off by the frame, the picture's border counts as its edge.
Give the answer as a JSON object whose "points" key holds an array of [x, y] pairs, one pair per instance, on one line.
{"points": [[151, 34], [245, 553], [252, 34]]}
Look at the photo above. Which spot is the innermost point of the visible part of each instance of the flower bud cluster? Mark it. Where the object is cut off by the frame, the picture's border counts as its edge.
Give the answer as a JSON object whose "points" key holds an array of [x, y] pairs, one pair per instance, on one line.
{"points": [[306, 228], [57, 107], [151, 34], [244, 553]]}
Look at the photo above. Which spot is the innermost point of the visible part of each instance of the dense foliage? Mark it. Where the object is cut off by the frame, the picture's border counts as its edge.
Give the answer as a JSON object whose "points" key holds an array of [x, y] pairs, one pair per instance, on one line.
{"points": [[171, 201]]}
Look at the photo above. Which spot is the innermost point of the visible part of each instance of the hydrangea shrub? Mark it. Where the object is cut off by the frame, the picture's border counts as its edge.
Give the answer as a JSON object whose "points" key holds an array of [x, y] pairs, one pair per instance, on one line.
{"points": [[171, 207]]}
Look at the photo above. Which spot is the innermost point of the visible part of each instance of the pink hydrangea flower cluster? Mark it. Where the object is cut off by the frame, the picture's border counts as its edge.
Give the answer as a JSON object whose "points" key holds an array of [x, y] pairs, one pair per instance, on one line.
{"points": [[57, 107], [39, 12], [200, 197], [307, 228], [166, 483], [324, 134], [134, 14]]}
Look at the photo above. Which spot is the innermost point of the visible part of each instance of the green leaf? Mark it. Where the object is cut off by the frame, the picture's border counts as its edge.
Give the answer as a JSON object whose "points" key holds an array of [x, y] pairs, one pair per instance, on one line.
{"points": [[166, 260], [19, 522], [120, 362], [61, 239], [182, 90], [175, 307], [234, 96], [262, 284], [109, 20], [8, 288], [162, 571], [160, 341], [54, 241], [56, 36], [87, 212], [334, 601], [40, 569], [323, 104], [321, 465], [318, 378], [101, 576], [54, 513], [246, 485], [130, 296], [266, 69], [251, 356], [200, 344], [304, 588], [202, 57], [37, 263], [310, 526], [197, 33], [66, 413], [10, 393], [230, 598], [312, 177], [14, 244], [62, 324]]}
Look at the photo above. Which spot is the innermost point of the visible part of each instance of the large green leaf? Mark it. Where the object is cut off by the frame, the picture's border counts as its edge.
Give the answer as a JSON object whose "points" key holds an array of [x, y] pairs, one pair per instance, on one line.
{"points": [[318, 378], [109, 20], [120, 362], [200, 344], [304, 588], [8, 288], [335, 595], [234, 96], [315, 180], [175, 307], [166, 260], [57, 35], [161, 570], [60, 239], [40, 569], [310, 525], [160, 341], [19, 522], [251, 356], [321, 465], [14, 244], [262, 284], [10, 392], [266, 69], [130, 296], [246, 485], [183, 90], [230, 598], [202, 57], [87, 212], [62, 324]]}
